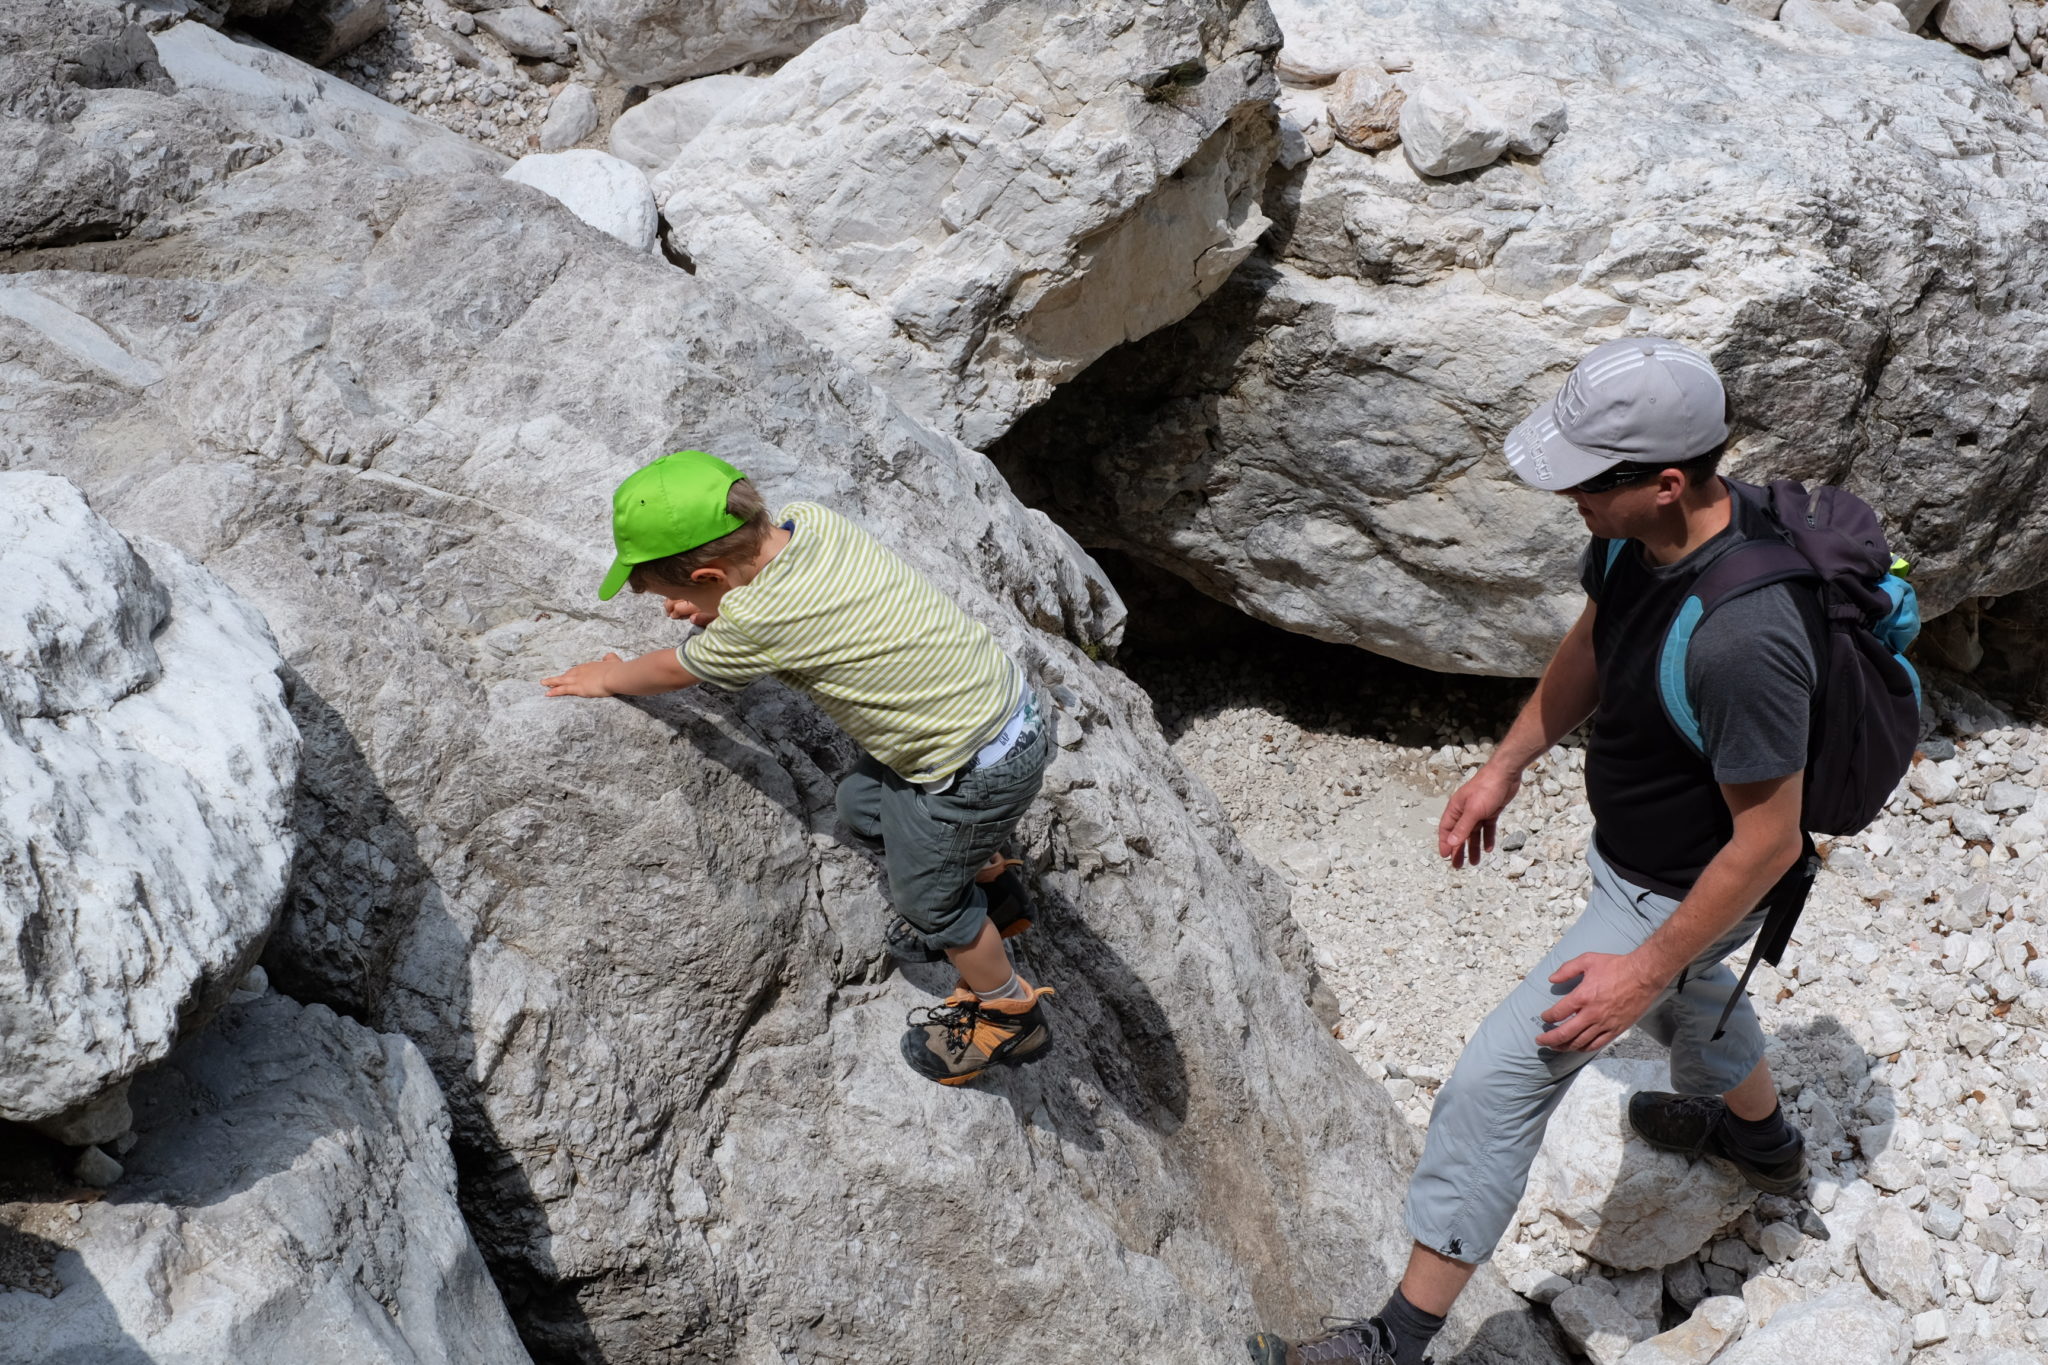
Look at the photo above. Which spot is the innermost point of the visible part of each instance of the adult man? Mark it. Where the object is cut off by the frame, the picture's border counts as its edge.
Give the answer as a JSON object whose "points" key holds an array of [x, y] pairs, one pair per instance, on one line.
{"points": [[1686, 843]]}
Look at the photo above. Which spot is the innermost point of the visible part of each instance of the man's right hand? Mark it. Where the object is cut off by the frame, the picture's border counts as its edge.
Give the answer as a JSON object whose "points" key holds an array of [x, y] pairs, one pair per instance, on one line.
{"points": [[1469, 820]]}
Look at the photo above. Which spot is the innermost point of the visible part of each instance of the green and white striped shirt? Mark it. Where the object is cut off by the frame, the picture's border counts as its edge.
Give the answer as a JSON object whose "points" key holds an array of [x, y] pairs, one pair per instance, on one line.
{"points": [[911, 677]]}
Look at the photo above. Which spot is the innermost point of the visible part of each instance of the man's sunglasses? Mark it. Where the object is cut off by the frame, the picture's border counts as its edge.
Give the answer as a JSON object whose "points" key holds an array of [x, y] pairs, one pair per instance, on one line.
{"points": [[1626, 474]]}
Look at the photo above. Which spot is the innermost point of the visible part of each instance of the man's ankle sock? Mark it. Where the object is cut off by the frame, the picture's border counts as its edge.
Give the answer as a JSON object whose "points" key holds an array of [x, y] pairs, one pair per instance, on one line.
{"points": [[1412, 1329], [1013, 989], [1761, 1140]]}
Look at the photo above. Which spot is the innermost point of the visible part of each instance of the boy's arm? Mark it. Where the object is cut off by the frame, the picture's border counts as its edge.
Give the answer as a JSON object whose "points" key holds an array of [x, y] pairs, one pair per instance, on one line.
{"points": [[656, 671]]}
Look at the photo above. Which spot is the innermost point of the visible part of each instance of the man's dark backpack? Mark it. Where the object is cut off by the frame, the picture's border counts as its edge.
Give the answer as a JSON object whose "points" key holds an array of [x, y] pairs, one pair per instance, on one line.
{"points": [[1866, 717]]}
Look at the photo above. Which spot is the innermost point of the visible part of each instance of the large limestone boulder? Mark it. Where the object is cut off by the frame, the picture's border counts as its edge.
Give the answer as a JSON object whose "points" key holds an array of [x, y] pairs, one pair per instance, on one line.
{"points": [[291, 1196], [971, 202], [652, 132], [659, 42], [391, 410], [1848, 226], [1616, 1198], [146, 771], [609, 194]]}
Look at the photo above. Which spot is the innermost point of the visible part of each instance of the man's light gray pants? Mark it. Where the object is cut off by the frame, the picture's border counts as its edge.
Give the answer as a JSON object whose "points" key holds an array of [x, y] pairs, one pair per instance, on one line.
{"points": [[1489, 1117]]}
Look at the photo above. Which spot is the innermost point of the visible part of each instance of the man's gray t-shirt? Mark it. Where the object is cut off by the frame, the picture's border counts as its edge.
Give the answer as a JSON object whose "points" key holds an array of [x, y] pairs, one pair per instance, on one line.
{"points": [[1750, 667]]}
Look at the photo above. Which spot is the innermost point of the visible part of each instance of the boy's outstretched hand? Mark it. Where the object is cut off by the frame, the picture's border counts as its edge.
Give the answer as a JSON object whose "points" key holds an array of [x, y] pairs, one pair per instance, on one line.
{"points": [[653, 672], [584, 680]]}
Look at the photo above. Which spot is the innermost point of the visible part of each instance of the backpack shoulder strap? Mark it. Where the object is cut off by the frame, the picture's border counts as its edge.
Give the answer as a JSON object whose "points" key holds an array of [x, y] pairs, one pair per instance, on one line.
{"points": [[1749, 566]]}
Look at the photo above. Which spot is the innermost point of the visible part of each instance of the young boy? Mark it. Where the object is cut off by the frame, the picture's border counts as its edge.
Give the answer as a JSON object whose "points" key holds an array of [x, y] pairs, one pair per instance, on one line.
{"points": [[955, 747]]}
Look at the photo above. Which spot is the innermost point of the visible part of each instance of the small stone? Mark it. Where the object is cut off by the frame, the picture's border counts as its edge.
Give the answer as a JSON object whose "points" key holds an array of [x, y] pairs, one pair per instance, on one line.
{"points": [[1780, 1241], [571, 118], [1897, 1257], [1365, 109], [2029, 1177], [1929, 1329], [94, 1167], [526, 32], [2004, 798], [1988, 1284], [1685, 1283], [1985, 25], [1973, 826], [1943, 1220], [1596, 1323], [1698, 1339], [1445, 130]]}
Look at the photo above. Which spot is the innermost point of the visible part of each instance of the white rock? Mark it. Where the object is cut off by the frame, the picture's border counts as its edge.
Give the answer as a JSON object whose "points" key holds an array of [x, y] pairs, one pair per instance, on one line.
{"points": [[651, 133], [1985, 25], [1620, 1201], [1930, 783], [660, 42], [1595, 1323], [1764, 1298], [609, 194], [2029, 1177], [1780, 1241], [1445, 129], [1897, 1257], [1929, 1328], [147, 769], [292, 1197], [572, 116], [972, 232], [1988, 1284], [1843, 1326], [2005, 798], [1713, 1324], [1532, 109]]}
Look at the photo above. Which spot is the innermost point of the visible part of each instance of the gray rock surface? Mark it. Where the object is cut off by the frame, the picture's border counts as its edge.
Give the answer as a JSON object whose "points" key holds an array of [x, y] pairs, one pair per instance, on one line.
{"points": [[391, 410], [972, 202], [291, 1198], [1319, 445], [572, 116], [651, 133], [643, 42], [147, 766], [525, 31], [1621, 1201]]}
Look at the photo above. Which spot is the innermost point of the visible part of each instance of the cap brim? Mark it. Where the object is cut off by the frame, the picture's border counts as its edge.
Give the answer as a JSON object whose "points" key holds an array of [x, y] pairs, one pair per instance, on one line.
{"points": [[1542, 458], [616, 579]]}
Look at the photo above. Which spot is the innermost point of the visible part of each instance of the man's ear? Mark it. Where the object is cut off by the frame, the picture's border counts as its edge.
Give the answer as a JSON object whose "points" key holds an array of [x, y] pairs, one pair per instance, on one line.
{"points": [[1671, 486]]}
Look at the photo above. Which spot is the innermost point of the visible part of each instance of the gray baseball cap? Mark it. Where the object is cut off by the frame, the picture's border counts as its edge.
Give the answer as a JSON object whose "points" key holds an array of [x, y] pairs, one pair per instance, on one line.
{"points": [[1643, 399]]}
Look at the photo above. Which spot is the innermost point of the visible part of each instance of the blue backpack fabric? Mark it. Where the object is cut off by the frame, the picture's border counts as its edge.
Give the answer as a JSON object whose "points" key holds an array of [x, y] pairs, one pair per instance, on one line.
{"points": [[1866, 714]]}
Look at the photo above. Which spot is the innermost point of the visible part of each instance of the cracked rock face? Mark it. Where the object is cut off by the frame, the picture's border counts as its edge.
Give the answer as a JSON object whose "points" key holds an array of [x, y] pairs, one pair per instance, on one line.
{"points": [[291, 1197], [1865, 261], [970, 203], [391, 409], [146, 771]]}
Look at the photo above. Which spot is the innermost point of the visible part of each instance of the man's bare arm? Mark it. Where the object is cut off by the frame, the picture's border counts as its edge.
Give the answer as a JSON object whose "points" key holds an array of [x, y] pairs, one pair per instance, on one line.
{"points": [[1564, 697], [1614, 990], [657, 671]]}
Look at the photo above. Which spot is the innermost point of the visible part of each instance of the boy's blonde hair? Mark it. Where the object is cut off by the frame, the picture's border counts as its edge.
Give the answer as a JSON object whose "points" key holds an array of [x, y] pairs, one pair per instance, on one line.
{"points": [[673, 571]]}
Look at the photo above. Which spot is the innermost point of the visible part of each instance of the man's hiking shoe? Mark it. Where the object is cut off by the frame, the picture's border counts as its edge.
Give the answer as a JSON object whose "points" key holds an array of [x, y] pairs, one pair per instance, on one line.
{"points": [[1359, 1341], [1009, 908], [1691, 1124], [954, 1042]]}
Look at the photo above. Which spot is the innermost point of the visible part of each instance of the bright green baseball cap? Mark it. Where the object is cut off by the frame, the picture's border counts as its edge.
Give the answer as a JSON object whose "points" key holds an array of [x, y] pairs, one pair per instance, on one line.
{"points": [[675, 504]]}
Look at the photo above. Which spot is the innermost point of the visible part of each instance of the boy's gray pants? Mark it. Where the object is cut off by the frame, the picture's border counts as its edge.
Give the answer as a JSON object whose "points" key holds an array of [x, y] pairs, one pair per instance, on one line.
{"points": [[1489, 1117]]}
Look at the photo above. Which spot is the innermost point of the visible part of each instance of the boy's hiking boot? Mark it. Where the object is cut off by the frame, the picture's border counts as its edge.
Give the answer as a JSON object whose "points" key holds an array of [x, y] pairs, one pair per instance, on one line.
{"points": [[1009, 909], [1349, 1341], [1693, 1125], [954, 1042]]}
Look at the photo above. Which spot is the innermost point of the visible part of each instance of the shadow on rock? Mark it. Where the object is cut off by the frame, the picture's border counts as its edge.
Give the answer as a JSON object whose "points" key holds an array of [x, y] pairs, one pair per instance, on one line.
{"points": [[52, 1310], [360, 891]]}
